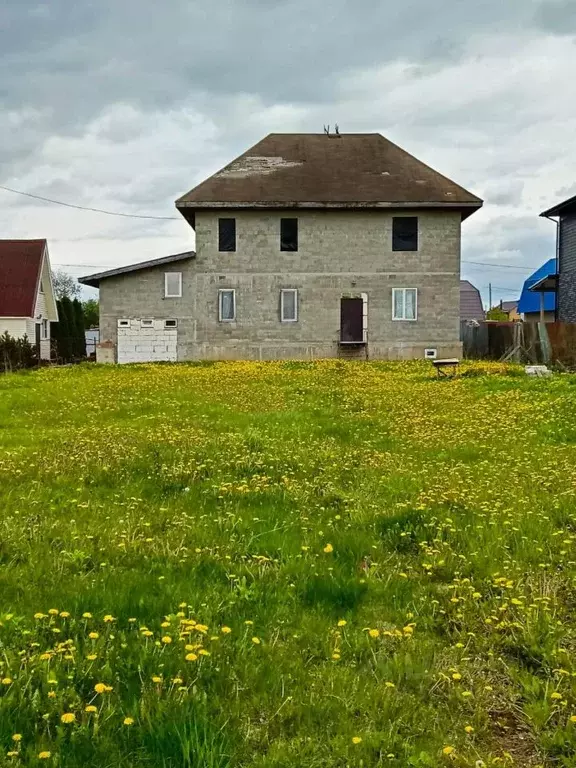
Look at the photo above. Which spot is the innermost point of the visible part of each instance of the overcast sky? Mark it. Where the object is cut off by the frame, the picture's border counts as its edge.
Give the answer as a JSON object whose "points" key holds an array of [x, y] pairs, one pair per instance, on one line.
{"points": [[127, 104]]}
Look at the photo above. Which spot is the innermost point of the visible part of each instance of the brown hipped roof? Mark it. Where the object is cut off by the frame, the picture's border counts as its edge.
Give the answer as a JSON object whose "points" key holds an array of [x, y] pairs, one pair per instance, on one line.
{"points": [[315, 170], [20, 269]]}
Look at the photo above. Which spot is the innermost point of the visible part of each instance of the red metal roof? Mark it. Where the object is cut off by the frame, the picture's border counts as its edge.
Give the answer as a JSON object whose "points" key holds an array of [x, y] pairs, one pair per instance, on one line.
{"points": [[20, 267]]}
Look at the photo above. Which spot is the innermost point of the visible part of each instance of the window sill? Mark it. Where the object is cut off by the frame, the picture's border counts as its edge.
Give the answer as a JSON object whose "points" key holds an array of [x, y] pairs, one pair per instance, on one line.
{"points": [[404, 319]]}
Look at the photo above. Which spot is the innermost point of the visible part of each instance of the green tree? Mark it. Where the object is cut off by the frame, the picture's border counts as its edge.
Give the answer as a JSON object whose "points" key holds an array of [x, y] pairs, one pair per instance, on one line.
{"points": [[65, 285], [66, 330], [91, 309], [79, 344], [495, 313]]}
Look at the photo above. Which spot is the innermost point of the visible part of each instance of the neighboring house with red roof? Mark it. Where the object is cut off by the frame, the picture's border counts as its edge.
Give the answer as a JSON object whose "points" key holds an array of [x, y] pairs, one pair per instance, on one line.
{"points": [[27, 302], [307, 246]]}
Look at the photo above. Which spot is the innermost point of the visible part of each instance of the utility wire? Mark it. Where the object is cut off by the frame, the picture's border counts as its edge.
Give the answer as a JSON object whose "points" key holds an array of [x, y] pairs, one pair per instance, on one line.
{"points": [[86, 208], [504, 266]]}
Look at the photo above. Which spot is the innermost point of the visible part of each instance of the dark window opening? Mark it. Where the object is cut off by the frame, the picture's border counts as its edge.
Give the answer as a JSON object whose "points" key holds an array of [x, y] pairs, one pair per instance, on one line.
{"points": [[288, 234], [226, 234], [405, 233]]}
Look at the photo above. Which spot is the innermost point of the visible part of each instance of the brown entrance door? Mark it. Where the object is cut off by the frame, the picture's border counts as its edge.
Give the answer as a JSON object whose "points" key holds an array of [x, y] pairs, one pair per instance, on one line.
{"points": [[351, 320]]}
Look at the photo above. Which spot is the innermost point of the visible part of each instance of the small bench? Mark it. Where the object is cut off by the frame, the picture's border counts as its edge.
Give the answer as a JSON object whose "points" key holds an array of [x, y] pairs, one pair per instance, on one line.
{"points": [[449, 365]]}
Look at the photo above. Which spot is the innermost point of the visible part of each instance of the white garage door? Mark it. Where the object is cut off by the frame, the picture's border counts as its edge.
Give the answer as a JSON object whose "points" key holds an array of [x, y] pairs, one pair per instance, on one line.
{"points": [[147, 340]]}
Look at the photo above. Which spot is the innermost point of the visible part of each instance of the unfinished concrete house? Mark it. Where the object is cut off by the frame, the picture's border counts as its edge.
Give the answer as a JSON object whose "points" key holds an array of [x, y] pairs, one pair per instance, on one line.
{"points": [[307, 246]]}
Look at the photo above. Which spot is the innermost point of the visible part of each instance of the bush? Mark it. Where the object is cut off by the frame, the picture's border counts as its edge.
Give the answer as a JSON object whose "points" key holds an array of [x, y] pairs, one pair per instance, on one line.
{"points": [[16, 353]]}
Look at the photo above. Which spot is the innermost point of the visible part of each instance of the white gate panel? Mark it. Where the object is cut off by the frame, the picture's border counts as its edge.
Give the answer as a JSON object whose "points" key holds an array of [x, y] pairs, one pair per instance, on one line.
{"points": [[146, 340]]}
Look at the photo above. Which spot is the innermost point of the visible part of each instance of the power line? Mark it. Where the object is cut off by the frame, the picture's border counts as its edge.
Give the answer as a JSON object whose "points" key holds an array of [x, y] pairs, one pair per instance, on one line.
{"points": [[86, 208], [505, 266]]}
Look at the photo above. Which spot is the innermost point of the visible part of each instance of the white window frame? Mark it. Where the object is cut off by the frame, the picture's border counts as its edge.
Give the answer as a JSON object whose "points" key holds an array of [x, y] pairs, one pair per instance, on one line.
{"points": [[45, 330], [283, 293], [172, 295], [403, 318], [173, 323], [146, 323], [221, 292], [122, 323]]}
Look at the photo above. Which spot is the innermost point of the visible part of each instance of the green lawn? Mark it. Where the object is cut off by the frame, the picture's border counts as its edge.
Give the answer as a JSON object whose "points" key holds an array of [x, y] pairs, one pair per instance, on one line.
{"points": [[282, 564]]}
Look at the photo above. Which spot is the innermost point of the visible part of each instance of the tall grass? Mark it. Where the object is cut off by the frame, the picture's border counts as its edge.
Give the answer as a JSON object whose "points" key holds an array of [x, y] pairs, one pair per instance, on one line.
{"points": [[319, 564]]}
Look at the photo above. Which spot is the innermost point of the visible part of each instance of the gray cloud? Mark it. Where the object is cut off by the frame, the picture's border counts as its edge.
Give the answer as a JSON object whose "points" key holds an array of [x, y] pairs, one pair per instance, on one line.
{"points": [[126, 105]]}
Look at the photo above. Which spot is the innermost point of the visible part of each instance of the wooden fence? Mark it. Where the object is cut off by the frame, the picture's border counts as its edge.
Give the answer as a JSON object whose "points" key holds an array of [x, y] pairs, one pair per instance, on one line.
{"points": [[521, 342]]}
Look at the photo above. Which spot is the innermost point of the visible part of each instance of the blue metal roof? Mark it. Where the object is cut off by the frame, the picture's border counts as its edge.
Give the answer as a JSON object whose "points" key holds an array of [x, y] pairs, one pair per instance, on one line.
{"points": [[529, 300]]}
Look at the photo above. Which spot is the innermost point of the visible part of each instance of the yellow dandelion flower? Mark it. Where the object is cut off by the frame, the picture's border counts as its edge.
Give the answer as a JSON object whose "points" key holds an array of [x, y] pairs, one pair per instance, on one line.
{"points": [[388, 684], [51, 694], [92, 656], [53, 612], [86, 615], [108, 618], [573, 719], [248, 623], [448, 750], [38, 615], [226, 630], [469, 729], [335, 656], [177, 681], [93, 635], [68, 717], [64, 615], [12, 753], [356, 739], [100, 687], [256, 640], [45, 656], [328, 548], [17, 737], [128, 721], [556, 695], [6, 681], [342, 623], [132, 620], [91, 708], [374, 632], [44, 755], [147, 633], [165, 624], [191, 657], [156, 679], [456, 676], [166, 639]]}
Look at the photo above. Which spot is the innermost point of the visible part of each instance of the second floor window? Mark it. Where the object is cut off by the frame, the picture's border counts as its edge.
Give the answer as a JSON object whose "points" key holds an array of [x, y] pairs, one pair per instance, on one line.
{"points": [[405, 233], [226, 235], [288, 234], [172, 285], [227, 305]]}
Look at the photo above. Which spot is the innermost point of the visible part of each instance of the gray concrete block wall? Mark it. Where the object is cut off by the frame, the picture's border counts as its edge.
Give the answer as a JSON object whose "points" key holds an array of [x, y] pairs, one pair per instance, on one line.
{"points": [[340, 253]]}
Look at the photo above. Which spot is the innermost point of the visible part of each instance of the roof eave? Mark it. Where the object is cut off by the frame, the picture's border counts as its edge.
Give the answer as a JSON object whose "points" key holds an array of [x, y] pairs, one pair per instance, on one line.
{"points": [[93, 281], [222, 204], [556, 210]]}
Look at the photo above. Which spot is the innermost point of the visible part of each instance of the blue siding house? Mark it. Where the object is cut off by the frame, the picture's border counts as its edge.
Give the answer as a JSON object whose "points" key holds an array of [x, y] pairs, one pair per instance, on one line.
{"points": [[530, 301]]}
